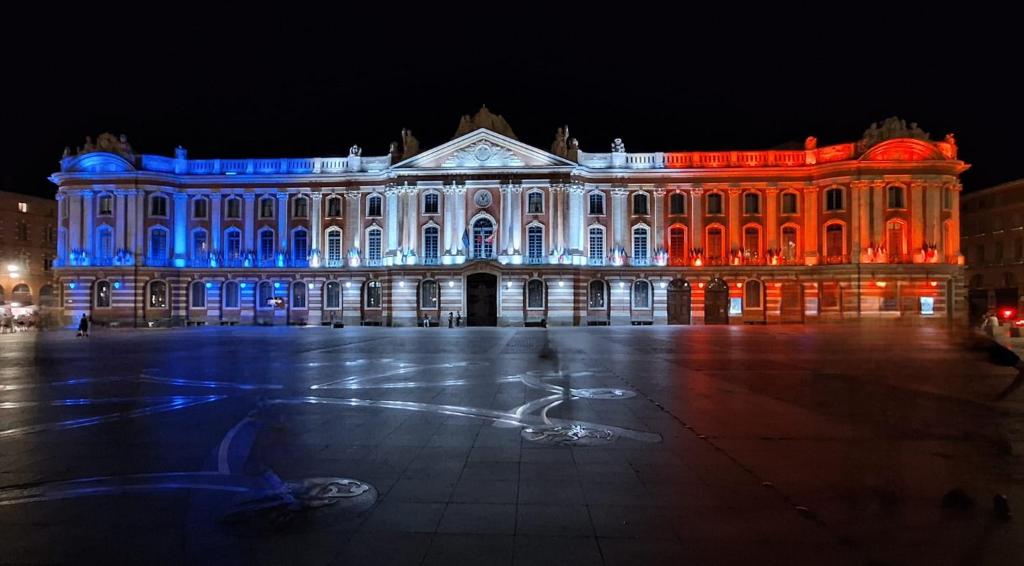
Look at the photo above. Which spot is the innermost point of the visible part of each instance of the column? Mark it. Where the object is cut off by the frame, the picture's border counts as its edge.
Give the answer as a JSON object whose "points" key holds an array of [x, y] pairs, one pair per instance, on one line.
{"points": [[449, 218], [811, 227], [734, 219], [249, 221], [860, 208], [575, 219], [460, 218], [855, 222], [75, 221], [62, 252], [563, 219], [316, 226], [657, 221], [353, 226], [618, 223], [517, 219], [215, 213], [391, 228], [412, 225], [771, 197], [505, 222], [119, 219], [877, 213], [955, 217], [87, 222], [916, 218], [933, 214], [696, 218], [180, 229], [140, 223], [282, 224]]}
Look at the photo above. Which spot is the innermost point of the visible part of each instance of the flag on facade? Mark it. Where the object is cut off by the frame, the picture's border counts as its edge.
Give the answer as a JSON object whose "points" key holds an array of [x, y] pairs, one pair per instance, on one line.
{"points": [[465, 238]]}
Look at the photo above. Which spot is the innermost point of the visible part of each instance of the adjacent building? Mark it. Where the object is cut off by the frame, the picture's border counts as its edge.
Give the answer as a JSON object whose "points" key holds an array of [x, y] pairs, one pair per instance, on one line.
{"points": [[992, 239], [505, 233], [28, 248]]}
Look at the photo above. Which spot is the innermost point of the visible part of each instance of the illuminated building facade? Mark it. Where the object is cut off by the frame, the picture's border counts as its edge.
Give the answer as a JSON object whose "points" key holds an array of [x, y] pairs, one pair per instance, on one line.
{"points": [[28, 247], [508, 234]]}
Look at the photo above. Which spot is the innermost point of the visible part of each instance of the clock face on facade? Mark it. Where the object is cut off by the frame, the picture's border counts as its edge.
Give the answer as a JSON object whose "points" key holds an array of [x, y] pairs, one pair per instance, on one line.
{"points": [[482, 199]]}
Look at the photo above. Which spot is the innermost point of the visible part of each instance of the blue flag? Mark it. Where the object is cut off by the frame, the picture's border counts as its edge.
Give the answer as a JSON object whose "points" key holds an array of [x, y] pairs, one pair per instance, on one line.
{"points": [[465, 239]]}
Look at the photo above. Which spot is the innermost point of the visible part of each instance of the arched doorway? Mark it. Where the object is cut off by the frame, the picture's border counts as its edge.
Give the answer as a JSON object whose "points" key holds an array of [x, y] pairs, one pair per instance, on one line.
{"points": [[716, 302], [679, 302], [482, 300], [791, 302]]}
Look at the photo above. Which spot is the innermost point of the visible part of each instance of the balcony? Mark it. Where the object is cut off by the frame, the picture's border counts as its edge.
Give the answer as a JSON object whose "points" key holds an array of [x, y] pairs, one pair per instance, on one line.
{"points": [[374, 262], [157, 261], [534, 260], [431, 260], [640, 261], [334, 263], [595, 261], [835, 259]]}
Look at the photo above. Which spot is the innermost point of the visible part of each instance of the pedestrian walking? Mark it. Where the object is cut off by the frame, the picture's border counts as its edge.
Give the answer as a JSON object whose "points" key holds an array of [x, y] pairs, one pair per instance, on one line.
{"points": [[451, 318], [458, 320], [83, 326], [426, 321]]}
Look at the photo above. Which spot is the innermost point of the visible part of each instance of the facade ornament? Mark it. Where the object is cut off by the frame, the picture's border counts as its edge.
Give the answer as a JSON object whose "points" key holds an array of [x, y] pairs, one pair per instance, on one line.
{"points": [[618, 146], [108, 143], [811, 143], [560, 146], [355, 151], [891, 128], [410, 145], [573, 151], [484, 118]]}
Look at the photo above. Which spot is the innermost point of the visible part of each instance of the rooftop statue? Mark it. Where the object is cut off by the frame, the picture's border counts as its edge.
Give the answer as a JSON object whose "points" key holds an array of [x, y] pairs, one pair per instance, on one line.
{"points": [[618, 146], [560, 146], [410, 145], [573, 153], [811, 143], [107, 142], [355, 151], [891, 128], [484, 119]]}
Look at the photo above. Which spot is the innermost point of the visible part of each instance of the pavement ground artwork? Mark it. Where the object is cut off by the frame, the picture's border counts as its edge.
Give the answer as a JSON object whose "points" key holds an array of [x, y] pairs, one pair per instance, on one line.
{"points": [[861, 443]]}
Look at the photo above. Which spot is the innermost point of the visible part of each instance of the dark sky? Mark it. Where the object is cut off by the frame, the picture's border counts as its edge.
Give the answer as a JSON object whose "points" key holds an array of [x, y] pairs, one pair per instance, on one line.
{"points": [[226, 85]]}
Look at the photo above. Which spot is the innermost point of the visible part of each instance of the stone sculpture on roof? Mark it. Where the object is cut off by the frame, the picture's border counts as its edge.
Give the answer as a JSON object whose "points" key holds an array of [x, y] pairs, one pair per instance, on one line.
{"points": [[484, 119]]}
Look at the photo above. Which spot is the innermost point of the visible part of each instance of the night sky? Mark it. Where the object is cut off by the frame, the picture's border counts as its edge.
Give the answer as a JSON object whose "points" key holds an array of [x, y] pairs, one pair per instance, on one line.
{"points": [[269, 86]]}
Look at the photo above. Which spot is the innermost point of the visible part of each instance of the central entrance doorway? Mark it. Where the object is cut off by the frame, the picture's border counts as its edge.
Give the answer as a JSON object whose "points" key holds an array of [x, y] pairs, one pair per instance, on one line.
{"points": [[482, 300], [679, 302], [716, 302]]}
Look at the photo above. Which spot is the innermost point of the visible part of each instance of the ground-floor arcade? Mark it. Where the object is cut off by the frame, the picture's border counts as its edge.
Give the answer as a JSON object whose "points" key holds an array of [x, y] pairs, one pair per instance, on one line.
{"points": [[490, 294]]}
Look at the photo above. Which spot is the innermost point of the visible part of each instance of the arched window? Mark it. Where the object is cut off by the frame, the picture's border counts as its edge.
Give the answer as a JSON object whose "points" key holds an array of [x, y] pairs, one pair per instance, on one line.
{"points": [[677, 203], [752, 240], [233, 243], [834, 240], [104, 242], [431, 247], [158, 205], [332, 295], [21, 294], [431, 203], [595, 294], [233, 208], [896, 239], [264, 295], [300, 245], [334, 247], [334, 207], [300, 207], [157, 295], [230, 295], [298, 295], [2, 297], [373, 236], [535, 203], [373, 206], [789, 203], [535, 244], [896, 197], [715, 246], [640, 204], [535, 294], [640, 254], [158, 244], [483, 238], [373, 294], [595, 246], [714, 203], [752, 295], [102, 298], [200, 207], [751, 203], [267, 245], [428, 294], [46, 296], [834, 199], [197, 295], [596, 201], [677, 244], [790, 243], [267, 207], [641, 294], [200, 250]]}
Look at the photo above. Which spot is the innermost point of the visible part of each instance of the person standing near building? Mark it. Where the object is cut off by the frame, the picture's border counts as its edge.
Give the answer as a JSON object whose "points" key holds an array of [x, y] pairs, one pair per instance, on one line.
{"points": [[83, 326], [451, 318], [458, 320]]}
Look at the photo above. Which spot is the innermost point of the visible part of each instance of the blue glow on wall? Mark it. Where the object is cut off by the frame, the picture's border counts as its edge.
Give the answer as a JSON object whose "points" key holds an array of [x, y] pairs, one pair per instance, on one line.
{"points": [[735, 306]]}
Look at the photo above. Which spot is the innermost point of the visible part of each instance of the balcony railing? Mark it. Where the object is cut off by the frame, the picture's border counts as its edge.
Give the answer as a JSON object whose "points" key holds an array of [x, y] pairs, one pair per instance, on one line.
{"points": [[640, 261], [595, 261], [157, 261], [334, 263], [431, 260], [374, 262], [835, 259], [535, 260], [900, 258]]}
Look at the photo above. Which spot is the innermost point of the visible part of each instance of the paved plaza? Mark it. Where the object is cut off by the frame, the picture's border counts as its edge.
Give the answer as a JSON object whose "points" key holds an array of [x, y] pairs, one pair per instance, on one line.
{"points": [[823, 444]]}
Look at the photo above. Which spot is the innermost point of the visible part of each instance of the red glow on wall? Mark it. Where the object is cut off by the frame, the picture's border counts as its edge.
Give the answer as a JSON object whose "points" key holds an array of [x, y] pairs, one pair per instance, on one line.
{"points": [[881, 284]]}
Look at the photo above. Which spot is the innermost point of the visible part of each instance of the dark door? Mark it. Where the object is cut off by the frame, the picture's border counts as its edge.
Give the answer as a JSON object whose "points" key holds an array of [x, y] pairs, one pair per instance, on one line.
{"points": [[716, 303], [977, 302], [678, 302], [792, 302], [482, 300]]}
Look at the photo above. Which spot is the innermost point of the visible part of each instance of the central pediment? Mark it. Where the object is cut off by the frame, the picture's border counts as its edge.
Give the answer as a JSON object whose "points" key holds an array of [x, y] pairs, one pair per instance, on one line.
{"points": [[483, 149]]}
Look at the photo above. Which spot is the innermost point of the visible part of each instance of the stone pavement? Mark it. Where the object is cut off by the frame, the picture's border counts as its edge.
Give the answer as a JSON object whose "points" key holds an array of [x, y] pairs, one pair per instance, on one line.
{"points": [[829, 444]]}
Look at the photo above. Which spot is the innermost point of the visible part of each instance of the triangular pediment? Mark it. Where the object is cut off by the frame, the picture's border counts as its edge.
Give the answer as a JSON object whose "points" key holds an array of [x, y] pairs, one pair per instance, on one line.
{"points": [[483, 148]]}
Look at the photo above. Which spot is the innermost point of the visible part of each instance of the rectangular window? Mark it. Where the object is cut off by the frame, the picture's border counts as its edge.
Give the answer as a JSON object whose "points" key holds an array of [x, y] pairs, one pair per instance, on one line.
{"points": [[199, 208], [234, 208], [789, 203], [596, 251], [158, 206], [834, 199], [373, 246], [234, 247], [596, 204], [47, 263], [640, 245], [334, 207], [300, 246], [23, 207], [106, 205], [535, 243], [430, 203], [266, 245], [430, 244], [22, 231], [199, 245], [535, 203]]}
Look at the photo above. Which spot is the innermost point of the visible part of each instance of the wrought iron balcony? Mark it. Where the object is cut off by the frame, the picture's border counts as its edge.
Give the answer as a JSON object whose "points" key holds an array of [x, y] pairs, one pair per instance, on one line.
{"points": [[595, 261], [535, 260], [431, 260]]}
